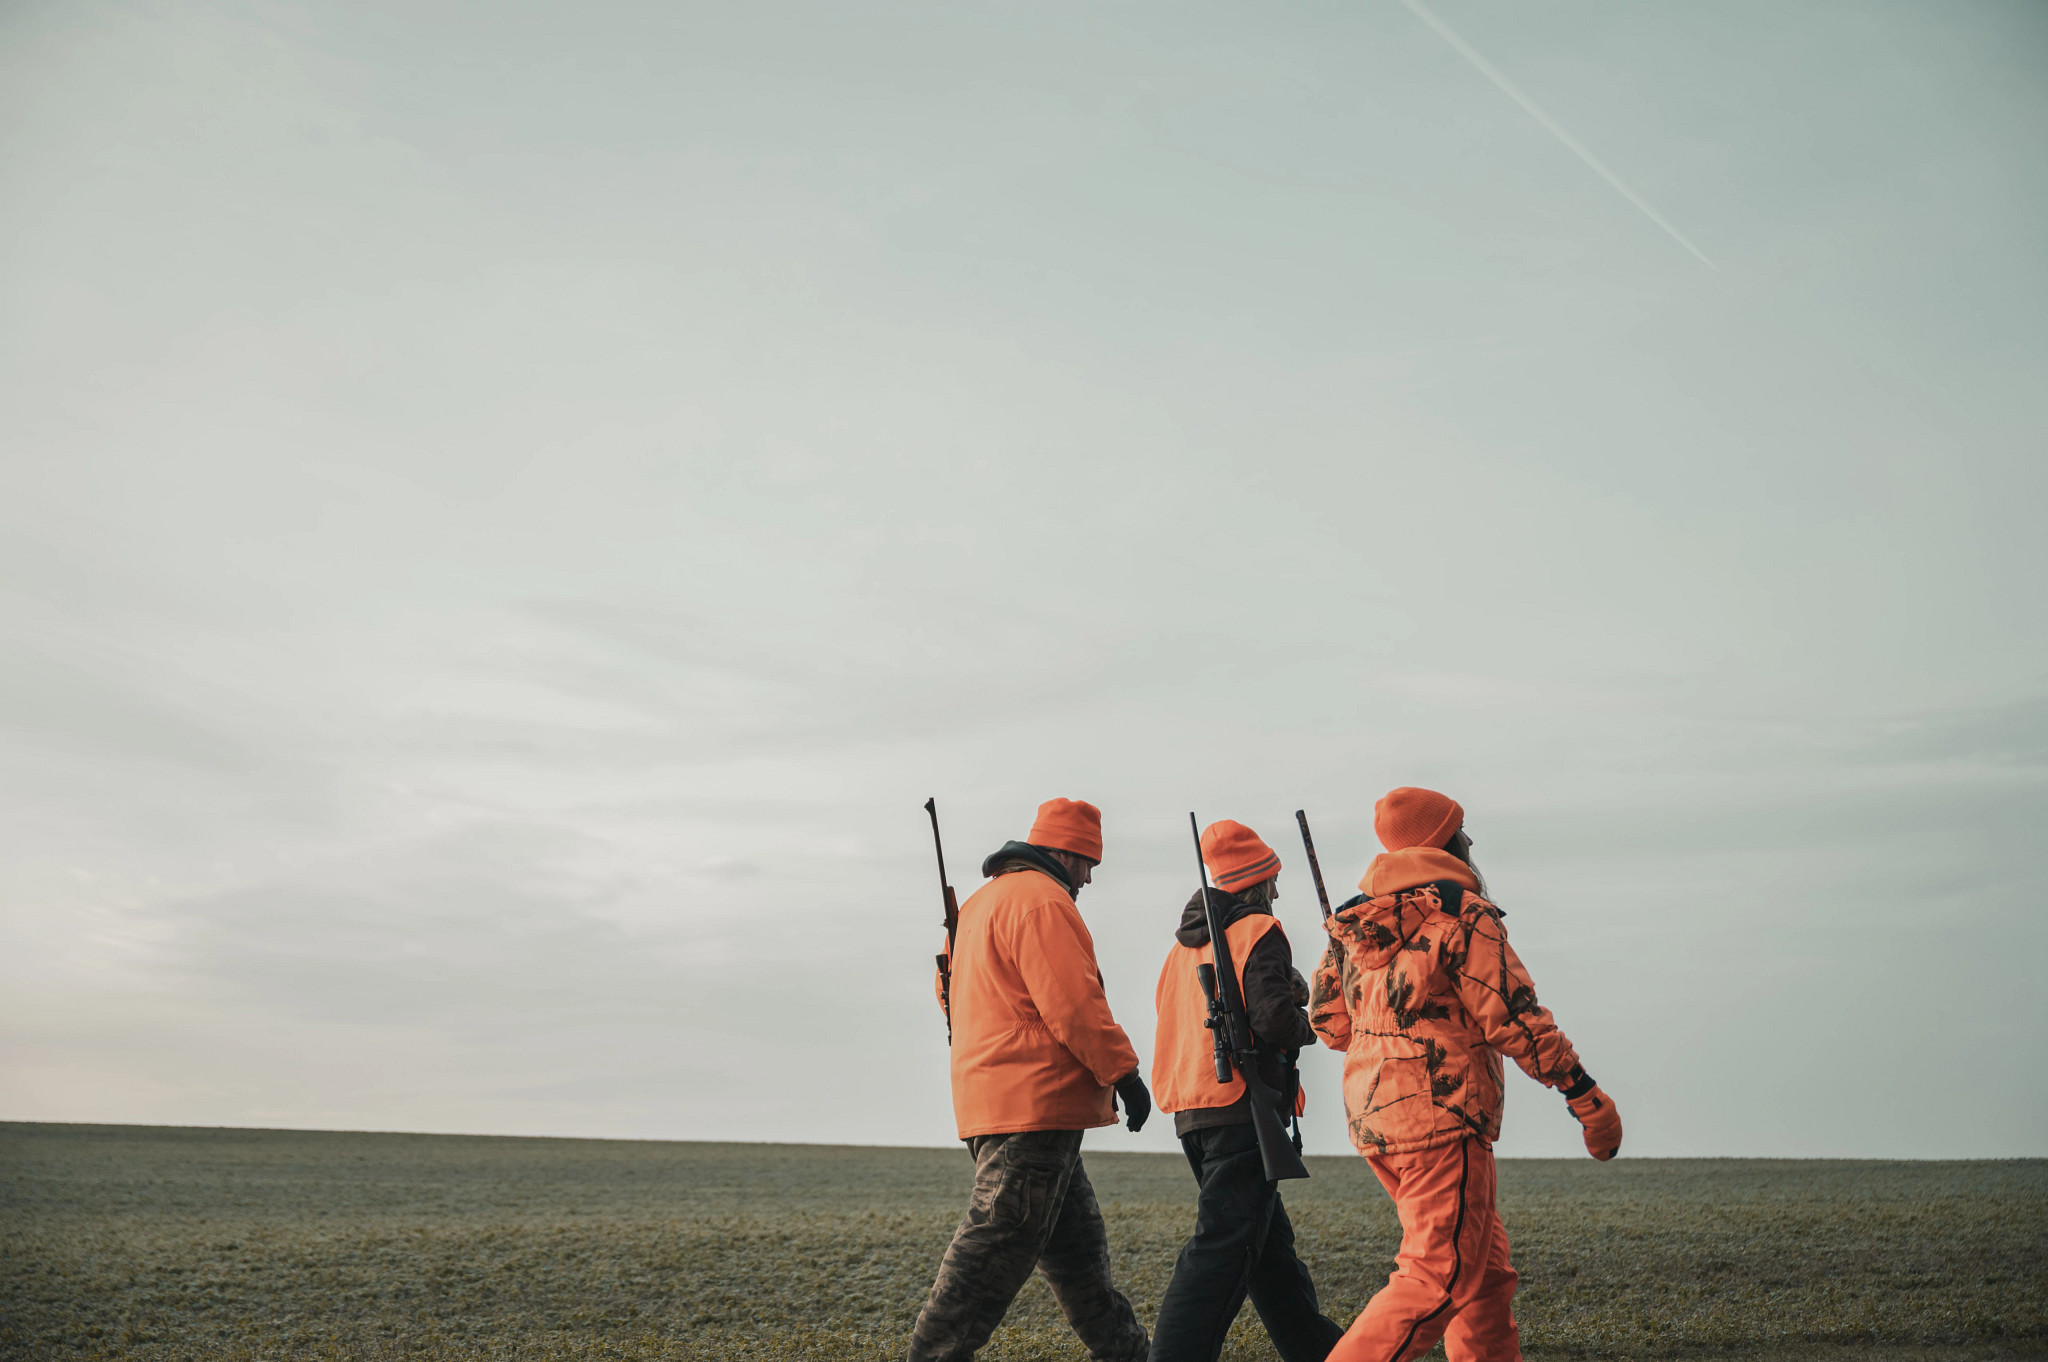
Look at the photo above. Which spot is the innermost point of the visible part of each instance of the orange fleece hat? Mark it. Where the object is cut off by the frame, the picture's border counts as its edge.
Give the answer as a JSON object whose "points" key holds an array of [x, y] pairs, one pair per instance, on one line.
{"points": [[1411, 817], [1236, 856], [1069, 825]]}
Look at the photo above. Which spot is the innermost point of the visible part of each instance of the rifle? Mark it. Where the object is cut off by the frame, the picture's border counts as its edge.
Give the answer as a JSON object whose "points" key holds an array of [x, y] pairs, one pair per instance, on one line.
{"points": [[931, 806], [1235, 1044], [1315, 867]]}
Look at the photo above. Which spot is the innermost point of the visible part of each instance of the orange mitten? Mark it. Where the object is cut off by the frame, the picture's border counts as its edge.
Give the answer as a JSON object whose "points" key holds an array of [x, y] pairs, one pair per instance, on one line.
{"points": [[1595, 1110]]}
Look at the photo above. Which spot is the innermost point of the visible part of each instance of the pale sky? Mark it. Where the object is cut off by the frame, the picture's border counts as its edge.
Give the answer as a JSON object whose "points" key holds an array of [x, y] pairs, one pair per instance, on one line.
{"points": [[506, 512]]}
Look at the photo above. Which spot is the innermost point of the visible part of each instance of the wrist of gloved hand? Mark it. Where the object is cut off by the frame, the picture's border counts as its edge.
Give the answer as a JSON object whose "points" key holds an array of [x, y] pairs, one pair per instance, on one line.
{"points": [[1137, 1101], [1602, 1123]]}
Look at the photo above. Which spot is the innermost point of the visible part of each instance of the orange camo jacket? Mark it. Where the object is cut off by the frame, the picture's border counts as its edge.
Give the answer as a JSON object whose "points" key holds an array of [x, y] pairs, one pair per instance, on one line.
{"points": [[1423, 1004]]}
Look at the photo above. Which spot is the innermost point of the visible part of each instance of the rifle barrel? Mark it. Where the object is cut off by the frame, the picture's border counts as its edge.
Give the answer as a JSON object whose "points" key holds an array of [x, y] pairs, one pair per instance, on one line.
{"points": [[931, 806], [1315, 867]]}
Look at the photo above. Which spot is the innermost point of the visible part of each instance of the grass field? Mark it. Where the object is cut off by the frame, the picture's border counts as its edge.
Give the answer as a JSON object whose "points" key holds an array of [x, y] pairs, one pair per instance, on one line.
{"points": [[147, 1242]]}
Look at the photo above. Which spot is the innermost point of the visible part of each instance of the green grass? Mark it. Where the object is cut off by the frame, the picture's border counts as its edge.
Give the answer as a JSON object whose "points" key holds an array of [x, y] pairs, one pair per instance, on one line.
{"points": [[142, 1242]]}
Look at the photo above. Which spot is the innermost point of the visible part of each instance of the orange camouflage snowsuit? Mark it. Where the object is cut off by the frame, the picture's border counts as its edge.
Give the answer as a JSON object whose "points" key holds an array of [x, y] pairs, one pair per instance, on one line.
{"points": [[1423, 1002]]}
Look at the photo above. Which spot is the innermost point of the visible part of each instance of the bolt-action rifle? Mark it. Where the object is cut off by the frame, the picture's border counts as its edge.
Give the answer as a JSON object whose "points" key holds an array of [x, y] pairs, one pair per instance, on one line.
{"points": [[1236, 1047], [931, 806]]}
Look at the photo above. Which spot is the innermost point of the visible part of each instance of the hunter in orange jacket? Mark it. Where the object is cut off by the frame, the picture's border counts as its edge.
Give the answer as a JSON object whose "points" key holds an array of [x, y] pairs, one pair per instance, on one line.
{"points": [[1036, 1057], [1423, 994]]}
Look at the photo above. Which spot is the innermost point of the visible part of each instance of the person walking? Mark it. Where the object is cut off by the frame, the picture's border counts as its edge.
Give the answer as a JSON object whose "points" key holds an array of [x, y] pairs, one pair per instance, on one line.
{"points": [[1243, 1243], [1422, 992], [1037, 1060]]}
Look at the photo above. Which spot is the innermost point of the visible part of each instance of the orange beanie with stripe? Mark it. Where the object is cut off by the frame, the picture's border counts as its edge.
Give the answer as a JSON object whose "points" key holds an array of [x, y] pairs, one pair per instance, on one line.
{"points": [[1411, 817], [1069, 825], [1236, 856]]}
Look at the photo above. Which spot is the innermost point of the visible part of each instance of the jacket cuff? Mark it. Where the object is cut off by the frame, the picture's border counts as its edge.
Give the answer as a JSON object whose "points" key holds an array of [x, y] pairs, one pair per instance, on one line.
{"points": [[1581, 1084]]}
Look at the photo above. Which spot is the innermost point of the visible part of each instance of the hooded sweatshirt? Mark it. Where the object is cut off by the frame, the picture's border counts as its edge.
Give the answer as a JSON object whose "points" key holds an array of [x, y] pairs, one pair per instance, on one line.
{"points": [[1277, 1024], [1424, 996]]}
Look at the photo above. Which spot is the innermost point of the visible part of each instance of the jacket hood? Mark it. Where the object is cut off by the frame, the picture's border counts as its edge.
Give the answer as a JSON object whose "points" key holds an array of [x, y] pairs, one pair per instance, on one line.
{"points": [[1380, 924], [1394, 871], [1194, 919], [1033, 857]]}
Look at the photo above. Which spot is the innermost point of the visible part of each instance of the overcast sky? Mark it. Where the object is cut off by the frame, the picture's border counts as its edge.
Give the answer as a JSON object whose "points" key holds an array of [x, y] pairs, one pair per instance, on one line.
{"points": [[507, 510]]}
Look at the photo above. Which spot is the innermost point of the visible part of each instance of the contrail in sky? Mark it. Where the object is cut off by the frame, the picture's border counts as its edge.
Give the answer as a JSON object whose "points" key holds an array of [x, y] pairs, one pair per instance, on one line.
{"points": [[1508, 88]]}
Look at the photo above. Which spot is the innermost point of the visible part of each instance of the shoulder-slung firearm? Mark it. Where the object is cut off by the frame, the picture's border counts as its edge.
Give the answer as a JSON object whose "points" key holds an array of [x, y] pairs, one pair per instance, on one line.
{"points": [[931, 806], [1315, 867], [1235, 1044], [1315, 870]]}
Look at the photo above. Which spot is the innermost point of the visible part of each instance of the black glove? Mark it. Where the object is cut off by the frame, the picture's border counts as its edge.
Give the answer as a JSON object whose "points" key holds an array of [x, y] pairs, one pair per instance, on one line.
{"points": [[1137, 1101], [1300, 988]]}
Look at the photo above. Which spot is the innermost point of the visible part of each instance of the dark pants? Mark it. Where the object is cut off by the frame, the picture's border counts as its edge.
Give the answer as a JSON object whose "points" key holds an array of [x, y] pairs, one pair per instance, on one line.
{"points": [[1242, 1244], [1032, 1207]]}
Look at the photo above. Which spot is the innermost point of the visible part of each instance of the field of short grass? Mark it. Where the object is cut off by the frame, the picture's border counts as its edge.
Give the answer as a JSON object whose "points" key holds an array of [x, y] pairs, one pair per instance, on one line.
{"points": [[140, 1242]]}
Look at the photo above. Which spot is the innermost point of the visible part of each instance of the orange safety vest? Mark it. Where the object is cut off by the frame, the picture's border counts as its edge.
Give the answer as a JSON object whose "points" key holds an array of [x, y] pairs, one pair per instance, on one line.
{"points": [[1184, 1051]]}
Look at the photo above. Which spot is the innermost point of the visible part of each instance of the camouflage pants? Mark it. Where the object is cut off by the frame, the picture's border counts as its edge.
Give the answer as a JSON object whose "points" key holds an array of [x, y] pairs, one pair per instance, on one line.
{"points": [[1032, 1207]]}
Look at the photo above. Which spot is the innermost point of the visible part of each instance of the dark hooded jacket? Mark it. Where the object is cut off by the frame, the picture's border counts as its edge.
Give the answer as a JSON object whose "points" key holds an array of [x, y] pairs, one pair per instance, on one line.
{"points": [[1277, 1024]]}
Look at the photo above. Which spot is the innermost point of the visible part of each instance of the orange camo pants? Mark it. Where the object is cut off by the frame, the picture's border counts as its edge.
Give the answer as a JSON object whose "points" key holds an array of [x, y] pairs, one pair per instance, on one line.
{"points": [[1451, 1279]]}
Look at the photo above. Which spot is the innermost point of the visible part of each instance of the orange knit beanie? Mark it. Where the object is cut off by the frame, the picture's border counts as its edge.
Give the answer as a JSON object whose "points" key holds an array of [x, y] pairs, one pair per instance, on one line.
{"points": [[1236, 857], [1410, 817], [1069, 825]]}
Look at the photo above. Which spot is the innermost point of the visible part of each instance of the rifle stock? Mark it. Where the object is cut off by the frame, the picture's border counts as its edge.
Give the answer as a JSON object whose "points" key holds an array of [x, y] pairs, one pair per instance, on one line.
{"points": [[1232, 1025]]}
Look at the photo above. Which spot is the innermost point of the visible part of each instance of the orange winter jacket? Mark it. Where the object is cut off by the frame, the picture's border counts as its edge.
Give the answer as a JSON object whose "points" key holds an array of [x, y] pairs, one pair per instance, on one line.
{"points": [[1034, 1044], [1423, 1003]]}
